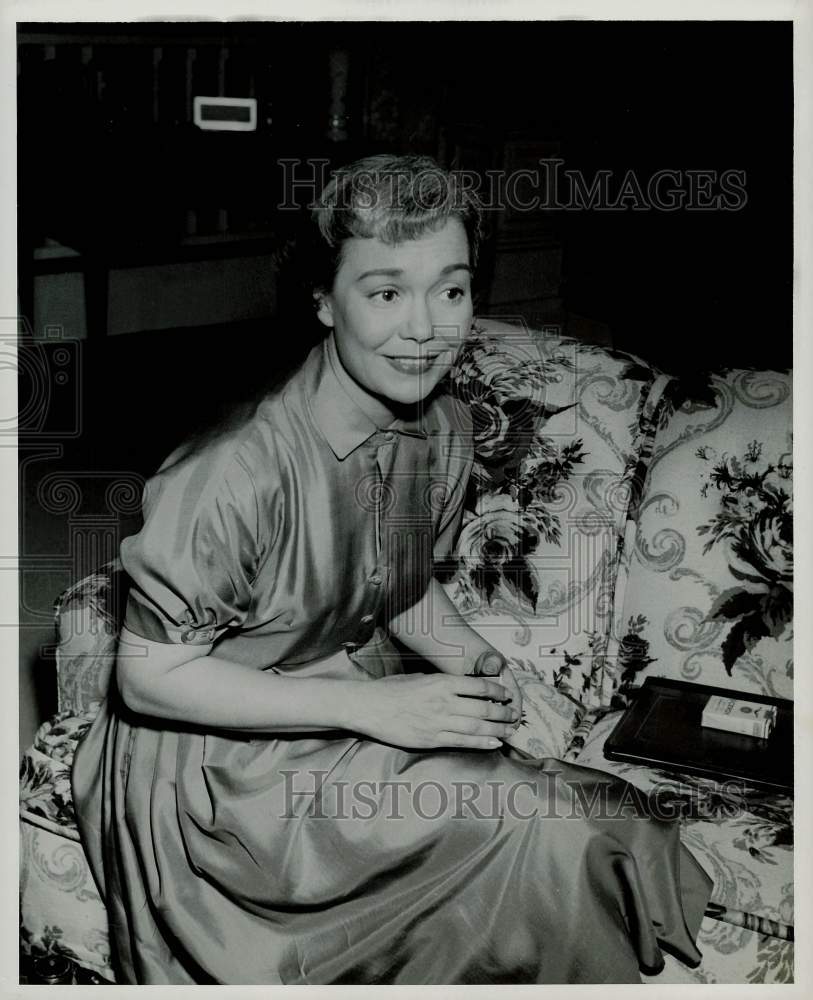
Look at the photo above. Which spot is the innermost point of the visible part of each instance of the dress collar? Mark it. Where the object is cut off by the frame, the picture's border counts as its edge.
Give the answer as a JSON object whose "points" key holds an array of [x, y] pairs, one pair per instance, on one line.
{"points": [[343, 423]]}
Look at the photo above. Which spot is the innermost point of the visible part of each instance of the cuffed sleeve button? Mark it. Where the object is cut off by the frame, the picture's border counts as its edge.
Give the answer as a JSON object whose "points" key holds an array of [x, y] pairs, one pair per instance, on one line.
{"points": [[375, 579]]}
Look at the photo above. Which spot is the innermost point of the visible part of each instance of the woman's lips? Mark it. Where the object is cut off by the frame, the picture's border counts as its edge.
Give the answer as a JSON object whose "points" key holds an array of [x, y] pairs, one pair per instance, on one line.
{"points": [[412, 366]]}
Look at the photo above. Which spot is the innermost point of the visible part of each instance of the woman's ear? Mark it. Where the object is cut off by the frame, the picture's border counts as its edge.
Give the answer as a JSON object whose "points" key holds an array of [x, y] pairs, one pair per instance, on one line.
{"points": [[324, 308]]}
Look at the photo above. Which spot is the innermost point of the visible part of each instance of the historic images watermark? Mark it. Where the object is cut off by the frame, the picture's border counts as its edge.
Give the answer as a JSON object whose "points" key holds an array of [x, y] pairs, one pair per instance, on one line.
{"points": [[545, 795], [548, 186]]}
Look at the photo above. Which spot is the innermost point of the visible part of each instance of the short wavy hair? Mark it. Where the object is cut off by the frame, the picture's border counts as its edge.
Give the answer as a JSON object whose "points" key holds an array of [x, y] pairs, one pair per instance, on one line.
{"points": [[392, 198]]}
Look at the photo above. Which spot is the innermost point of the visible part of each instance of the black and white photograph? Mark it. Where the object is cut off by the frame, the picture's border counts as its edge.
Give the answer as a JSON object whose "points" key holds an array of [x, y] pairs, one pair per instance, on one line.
{"points": [[404, 444]]}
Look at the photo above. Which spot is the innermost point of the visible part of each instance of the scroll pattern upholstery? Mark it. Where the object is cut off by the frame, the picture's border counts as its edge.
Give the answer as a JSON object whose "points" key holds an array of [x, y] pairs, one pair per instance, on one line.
{"points": [[705, 587]]}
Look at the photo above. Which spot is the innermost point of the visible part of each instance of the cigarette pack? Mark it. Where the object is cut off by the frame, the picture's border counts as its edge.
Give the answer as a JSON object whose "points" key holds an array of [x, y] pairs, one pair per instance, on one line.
{"points": [[736, 716], [662, 729]]}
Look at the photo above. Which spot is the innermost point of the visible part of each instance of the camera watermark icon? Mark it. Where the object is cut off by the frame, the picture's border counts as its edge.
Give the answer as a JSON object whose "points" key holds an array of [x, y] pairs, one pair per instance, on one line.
{"points": [[45, 377]]}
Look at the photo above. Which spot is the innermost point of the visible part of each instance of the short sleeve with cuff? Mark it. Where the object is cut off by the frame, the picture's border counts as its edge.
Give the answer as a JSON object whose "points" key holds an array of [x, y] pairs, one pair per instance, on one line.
{"points": [[193, 563]]}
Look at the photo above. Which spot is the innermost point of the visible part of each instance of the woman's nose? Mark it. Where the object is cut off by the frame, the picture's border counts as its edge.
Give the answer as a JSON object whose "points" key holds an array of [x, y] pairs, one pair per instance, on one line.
{"points": [[419, 325]]}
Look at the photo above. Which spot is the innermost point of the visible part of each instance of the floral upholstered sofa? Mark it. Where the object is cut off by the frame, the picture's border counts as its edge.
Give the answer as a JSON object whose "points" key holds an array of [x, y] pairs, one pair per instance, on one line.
{"points": [[621, 523]]}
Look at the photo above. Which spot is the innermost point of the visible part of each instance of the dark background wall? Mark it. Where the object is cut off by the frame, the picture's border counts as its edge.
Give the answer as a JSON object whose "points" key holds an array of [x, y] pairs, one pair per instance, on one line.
{"points": [[150, 249], [112, 164]]}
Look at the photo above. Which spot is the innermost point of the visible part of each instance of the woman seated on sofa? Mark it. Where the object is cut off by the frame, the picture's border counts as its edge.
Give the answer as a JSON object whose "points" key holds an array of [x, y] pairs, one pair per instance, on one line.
{"points": [[269, 797]]}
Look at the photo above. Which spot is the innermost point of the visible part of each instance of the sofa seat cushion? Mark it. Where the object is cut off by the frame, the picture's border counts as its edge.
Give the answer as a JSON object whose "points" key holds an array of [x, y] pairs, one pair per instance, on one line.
{"points": [[559, 431], [705, 587], [45, 772], [741, 835]]}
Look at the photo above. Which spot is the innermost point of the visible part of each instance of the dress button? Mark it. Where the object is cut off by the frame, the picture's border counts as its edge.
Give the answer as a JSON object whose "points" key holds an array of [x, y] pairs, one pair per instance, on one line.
{"points": [[375, 579], [389, 436], [366, 619]]}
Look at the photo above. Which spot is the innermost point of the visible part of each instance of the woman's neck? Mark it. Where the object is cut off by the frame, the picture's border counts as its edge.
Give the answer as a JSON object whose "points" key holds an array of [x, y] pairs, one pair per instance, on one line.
{"points": [[373, 407]]}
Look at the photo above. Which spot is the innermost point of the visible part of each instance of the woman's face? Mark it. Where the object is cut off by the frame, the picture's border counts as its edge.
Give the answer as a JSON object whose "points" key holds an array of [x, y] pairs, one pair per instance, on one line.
{"points": [[399, 313]]}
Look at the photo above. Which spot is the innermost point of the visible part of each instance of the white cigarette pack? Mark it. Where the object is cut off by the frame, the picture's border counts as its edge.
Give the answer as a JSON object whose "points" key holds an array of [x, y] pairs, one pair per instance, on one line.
{"points": [[735, 716]]}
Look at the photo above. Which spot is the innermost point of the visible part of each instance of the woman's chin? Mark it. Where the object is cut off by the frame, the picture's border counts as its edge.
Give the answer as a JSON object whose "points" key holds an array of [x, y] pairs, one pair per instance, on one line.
{"points": [[411, 395]]}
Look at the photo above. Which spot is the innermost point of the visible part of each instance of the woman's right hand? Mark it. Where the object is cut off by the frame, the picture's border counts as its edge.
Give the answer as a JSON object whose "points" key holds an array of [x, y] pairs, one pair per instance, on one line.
{"points": [[427, 711]]}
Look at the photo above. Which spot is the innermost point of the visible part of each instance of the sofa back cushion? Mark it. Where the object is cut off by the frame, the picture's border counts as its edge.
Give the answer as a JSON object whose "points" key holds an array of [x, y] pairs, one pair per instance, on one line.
{"points": [[705, 591], [559, 429]]}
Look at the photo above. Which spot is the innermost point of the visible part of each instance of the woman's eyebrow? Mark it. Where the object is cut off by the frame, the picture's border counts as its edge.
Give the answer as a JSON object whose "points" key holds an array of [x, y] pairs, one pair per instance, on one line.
{"points": [[381, 272], [396, 272]]}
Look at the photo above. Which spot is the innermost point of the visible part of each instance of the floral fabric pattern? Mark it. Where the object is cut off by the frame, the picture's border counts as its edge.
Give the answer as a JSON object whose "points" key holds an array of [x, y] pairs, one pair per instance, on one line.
{"points": [[45, 770], [755, 523], [558, 439], [707, 556], [45, 789], [504, 381]]}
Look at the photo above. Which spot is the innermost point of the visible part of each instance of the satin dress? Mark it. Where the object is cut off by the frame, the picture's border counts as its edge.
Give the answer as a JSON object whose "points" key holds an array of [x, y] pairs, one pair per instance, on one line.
{"points": [[328, 858]]}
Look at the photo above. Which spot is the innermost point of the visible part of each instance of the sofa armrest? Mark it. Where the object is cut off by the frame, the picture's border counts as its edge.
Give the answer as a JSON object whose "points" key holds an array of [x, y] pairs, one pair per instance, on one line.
{"points": [[88, 622]]}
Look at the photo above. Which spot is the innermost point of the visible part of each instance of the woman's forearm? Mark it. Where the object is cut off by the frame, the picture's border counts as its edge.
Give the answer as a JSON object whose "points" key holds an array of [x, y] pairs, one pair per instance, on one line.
{"points": [[210, 691], [434, 629]]}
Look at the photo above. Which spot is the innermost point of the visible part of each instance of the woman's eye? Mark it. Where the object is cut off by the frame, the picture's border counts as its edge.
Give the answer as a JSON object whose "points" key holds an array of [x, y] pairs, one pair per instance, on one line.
{"points": [[385, 295], [454, 294]]}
